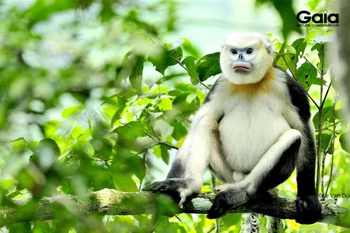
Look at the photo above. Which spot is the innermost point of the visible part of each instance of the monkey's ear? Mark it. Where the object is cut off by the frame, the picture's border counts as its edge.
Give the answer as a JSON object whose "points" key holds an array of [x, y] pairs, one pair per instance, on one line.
{"points": [[268, 44]]}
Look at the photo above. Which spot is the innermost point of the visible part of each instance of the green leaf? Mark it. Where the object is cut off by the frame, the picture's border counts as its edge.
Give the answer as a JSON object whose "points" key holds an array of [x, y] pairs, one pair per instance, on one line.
{"points": [[77, 131], [189, 63], [124, 182], [307, 75], [136, 74], [208, 66], [164, 153], [231, 220], [137, 165], [46, 154], [279, 61], [191, 97], [107, 12], [132, 68], [344, 140], [164, 57], [42, 10], [165, 104], [131, 131], [188, 47], [7, 183], [179, 130], [181, 104], [157, 58], [174, 51], [290, 49], [300, 46], [121, 104], [71, 111], [200, 224], [19, 145], [327, 116], [181, 98], [102, 147], [321, 47], [124, 70], [327, 143], [290, 62]]}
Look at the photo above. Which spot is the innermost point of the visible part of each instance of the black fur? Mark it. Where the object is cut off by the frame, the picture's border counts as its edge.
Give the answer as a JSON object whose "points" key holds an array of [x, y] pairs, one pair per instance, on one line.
{"points": [[298, 97], [225, 200], [169, 186], [307, 203], [212, 90], [177, 170], [282, 170]]}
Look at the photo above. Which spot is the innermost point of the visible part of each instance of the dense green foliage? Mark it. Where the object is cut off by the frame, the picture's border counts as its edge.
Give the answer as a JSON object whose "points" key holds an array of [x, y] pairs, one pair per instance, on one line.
{"points": [[92, 98]]}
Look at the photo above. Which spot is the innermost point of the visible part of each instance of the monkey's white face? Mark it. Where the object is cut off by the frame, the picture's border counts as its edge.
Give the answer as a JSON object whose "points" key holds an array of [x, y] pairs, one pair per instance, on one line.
{"points": [[246, 57]]}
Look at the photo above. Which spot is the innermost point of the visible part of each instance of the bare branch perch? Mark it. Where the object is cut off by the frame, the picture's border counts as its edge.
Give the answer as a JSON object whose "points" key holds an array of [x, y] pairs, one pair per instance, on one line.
{"points": [[113, 202]]}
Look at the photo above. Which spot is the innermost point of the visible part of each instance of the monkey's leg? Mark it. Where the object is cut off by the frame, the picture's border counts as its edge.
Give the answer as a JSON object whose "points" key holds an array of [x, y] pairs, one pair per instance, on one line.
{"points": [[307, 202], [186, 175], [217, 160], [275, 166]]}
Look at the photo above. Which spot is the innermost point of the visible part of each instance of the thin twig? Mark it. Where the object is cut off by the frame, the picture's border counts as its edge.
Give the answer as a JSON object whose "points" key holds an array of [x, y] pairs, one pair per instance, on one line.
{"points": [[325, 96], [217, 221], [313, 101], [159, 142], [319, 136], [322, 173], [189, 72], [332, 155], [157, 224]]}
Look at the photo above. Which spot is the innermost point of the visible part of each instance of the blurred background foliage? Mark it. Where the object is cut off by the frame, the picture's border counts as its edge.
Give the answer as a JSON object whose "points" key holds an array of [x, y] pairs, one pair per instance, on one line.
{"points": [[100, 94]]}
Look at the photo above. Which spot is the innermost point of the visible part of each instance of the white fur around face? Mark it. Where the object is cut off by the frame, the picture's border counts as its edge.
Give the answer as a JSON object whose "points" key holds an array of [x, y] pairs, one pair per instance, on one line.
{"points": [[261, 59]]}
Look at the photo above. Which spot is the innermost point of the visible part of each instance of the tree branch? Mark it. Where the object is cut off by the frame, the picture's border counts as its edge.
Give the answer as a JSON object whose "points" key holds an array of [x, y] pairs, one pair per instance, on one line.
{"points": [[113, 202]]}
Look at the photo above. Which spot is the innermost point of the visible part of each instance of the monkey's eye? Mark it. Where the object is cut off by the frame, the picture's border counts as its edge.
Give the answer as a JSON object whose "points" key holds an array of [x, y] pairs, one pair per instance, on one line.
{"points": [[233, 51], [249, 51]]}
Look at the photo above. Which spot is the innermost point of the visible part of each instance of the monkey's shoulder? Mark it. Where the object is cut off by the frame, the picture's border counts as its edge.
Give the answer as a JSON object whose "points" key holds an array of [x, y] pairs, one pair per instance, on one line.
{"points": [[281, 89], [297, 95]]}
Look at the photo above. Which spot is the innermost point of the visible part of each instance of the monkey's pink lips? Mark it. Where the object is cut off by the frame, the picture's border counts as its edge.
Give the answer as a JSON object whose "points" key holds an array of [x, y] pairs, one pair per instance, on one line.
{"points": [[241, 67]]}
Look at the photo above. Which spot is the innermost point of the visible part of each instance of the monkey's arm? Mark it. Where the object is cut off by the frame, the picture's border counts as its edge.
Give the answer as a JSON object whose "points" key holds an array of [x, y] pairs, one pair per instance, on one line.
{"points": [[186, 173], [307, 203], [274, 167]]}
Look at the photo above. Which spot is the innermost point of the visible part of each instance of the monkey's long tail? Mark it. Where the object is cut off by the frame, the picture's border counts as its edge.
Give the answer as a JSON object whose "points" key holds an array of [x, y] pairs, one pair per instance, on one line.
{"points": [[250, 223]]}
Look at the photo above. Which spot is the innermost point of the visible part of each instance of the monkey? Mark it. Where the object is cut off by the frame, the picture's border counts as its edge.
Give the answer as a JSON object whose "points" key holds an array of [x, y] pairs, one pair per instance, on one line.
{"points": [[252, 130]]}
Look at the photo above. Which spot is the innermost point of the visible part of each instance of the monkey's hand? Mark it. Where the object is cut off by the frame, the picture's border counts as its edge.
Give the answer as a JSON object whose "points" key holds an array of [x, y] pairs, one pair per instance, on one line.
{"points": [[308, 209], [225, 200], [177, 188]]}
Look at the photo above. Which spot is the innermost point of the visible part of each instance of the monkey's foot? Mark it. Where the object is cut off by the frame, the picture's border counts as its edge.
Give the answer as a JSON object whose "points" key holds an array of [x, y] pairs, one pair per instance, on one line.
{"points": [[308, 209], [177, 188], [223, 187], [226, 200]]}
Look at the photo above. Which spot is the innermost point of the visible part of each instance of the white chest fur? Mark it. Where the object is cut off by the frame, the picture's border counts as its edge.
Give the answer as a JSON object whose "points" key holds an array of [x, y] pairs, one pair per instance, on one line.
{"points": [[249, 127]]}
